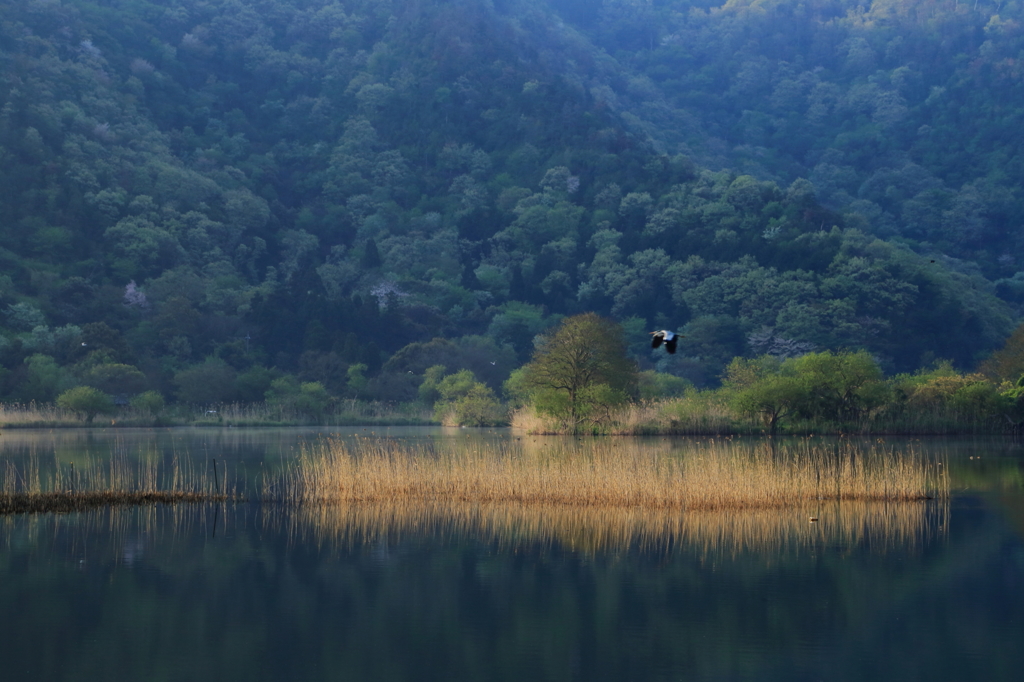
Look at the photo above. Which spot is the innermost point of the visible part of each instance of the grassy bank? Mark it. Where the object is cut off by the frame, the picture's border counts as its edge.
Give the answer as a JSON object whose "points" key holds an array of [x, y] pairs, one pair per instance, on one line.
{"points": [[339, 413], [707, 413], [699, 413]]}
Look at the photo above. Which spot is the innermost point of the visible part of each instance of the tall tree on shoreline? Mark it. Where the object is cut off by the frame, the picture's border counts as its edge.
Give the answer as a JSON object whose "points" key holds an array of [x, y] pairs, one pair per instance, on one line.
{"points": [[580, 370]]}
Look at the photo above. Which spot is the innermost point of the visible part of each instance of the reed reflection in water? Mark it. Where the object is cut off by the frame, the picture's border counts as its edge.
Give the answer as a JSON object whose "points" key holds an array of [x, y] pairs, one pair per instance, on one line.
{"points": [[879, 526], [607, 495]]}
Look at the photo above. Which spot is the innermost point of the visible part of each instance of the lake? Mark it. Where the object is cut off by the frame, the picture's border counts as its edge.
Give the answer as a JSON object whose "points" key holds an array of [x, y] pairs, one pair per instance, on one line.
{"points": [[221, 592]]}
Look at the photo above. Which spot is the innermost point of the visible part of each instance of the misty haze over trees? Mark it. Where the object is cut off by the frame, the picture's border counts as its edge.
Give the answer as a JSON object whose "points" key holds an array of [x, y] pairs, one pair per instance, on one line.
{"points": [[228, 200]]}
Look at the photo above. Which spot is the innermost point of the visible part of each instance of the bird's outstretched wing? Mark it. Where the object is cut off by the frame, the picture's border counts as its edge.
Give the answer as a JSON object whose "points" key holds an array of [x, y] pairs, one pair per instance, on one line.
{"points": [[656, 339], [670, 346]]}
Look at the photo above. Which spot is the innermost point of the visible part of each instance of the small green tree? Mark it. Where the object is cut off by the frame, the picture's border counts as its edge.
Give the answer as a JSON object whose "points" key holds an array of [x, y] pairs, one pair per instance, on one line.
{"points": [[758, 388], [308, 399], [428, 393], [839, 386], [87, 401], [770, 398], [44, 379], [1011, 404], [515, 389], [312, 400], [355, 378], [580, 371], [150, 402], [464, 401]]}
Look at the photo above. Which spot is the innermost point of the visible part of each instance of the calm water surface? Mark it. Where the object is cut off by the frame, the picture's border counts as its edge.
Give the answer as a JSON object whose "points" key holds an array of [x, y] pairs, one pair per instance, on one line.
{"points": [[246, 592]]}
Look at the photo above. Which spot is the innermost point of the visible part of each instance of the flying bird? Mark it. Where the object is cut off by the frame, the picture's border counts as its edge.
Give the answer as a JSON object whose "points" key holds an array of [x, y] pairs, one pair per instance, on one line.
{"points": [[668, 338]]}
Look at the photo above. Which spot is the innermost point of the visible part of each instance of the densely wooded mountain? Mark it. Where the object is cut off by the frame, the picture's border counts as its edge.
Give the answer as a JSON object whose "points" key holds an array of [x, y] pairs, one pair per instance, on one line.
{"points": [[901, 113], [219, 191]]}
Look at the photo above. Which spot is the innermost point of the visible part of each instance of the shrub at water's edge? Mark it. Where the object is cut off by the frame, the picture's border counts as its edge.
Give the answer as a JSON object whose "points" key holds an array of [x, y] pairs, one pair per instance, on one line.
{"points": [[464, 401]]}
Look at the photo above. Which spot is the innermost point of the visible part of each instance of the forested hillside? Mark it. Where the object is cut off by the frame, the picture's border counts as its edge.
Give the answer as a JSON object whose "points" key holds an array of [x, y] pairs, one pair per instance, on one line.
{"points": [[902, 113], [203, 196]]}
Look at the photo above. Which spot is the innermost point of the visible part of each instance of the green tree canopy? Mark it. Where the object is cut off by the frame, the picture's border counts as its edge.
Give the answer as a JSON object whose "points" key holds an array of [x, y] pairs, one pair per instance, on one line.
{"points": [[464, 401], [212, 381], [150, 402], [1007, 363], [831, 387], [838, 386], [308, 399], [756, 387], [86, 400], [115, 378], [356, 181]]}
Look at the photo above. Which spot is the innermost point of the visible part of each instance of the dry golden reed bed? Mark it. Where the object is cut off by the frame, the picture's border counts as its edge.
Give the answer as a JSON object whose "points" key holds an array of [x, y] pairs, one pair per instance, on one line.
{"points": [[599, 494], [611, 474], [583, 494]]}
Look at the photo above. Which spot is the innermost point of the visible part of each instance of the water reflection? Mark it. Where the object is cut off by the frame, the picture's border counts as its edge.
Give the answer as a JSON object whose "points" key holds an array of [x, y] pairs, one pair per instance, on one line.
{"points": [[201, 593], [249, 455], [207, 441], [975, 462], [877, 526], [256, 592]]}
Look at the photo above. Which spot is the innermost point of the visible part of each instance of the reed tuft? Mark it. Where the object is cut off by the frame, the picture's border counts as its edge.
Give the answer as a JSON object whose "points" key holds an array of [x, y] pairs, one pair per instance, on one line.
{"points": [[112, 483]]}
